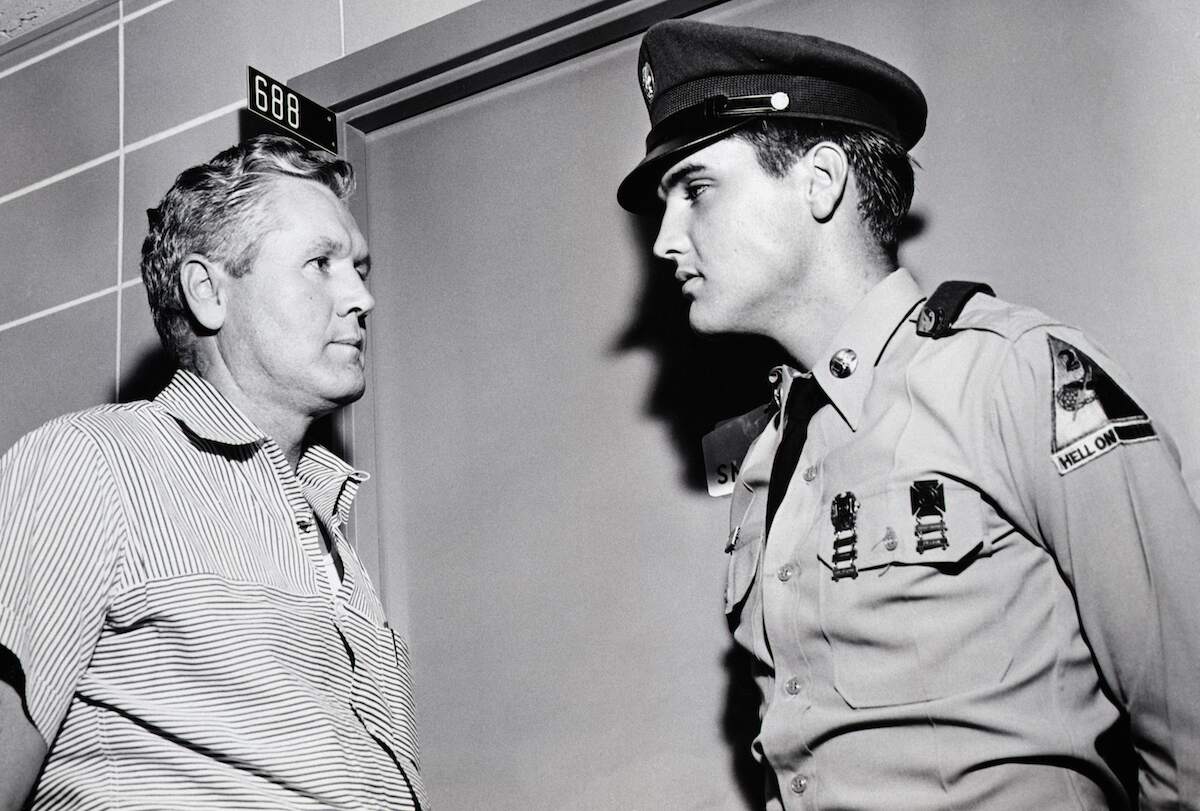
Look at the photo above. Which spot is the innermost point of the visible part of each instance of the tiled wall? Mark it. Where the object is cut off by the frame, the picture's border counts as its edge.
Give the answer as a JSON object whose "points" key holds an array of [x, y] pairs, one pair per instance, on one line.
{"points": [[97, 116]]}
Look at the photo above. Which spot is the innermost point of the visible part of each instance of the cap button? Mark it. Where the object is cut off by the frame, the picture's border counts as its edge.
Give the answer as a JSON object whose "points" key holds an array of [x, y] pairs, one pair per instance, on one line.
{"points": [[843, 363], [780, 101]]}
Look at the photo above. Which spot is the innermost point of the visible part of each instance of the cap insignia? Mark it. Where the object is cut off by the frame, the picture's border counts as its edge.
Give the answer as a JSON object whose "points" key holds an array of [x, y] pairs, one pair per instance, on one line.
{"points": [[647, 82]]}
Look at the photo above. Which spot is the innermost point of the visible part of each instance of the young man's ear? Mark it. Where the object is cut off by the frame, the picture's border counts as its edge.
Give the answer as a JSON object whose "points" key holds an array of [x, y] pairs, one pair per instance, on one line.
{"points": [[827, 181], [204, 287]]}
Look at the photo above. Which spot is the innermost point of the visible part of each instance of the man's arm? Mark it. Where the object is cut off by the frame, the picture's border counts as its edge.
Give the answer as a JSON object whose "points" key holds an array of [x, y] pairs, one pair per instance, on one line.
{"points": [[22, 750], [1100, 486], [61, 531]]}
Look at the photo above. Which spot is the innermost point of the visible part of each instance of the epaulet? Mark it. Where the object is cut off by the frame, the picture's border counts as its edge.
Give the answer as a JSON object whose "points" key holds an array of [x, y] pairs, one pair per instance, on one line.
{"points": [[945, 305]]}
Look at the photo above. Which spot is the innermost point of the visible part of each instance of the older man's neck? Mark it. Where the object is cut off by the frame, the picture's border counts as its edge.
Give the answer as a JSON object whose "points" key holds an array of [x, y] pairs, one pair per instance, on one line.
{"points": [[270, 410]]}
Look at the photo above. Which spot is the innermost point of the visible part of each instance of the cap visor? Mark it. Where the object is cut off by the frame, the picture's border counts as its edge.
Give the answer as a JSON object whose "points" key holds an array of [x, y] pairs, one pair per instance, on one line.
{"points": [[638, 192]]}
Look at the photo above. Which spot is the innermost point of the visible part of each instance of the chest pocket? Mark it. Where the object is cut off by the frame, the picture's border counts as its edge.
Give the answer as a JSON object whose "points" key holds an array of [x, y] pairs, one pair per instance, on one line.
{"points": [[909, 615], [745, 544]]}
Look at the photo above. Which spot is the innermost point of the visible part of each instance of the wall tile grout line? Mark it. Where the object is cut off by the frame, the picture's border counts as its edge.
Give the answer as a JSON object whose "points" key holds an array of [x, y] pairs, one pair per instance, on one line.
{"points": [[57, 49], [83, 167], [120, 188], [58, 308], [134, 147], [342, 23], [63, 175], [185, 126], [141, 12], [119, 154]]}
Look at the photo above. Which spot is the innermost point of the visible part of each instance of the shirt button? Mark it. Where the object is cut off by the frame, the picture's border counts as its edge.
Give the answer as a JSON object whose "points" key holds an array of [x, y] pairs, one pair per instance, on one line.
{"points": [[799, 784], [792, 686], [304, 523], [785, 572], [810, 473], [889, 540]]}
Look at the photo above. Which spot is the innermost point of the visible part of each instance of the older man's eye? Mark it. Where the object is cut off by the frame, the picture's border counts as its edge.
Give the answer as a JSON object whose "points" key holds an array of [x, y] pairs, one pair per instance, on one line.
{"points": [[321, 263]]}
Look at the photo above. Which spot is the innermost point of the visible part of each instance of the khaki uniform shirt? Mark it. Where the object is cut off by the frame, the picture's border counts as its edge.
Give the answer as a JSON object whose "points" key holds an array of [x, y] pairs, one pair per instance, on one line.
{"points": [[1021, 568]]}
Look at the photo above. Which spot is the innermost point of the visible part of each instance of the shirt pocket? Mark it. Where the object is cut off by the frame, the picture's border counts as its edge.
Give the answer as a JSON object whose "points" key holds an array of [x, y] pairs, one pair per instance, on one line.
{"points": [[914, 620], [745, 545], [381, 690]]}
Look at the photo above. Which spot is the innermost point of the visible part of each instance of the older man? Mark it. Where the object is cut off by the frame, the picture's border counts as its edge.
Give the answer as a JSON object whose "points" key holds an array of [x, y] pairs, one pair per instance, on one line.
{"points": [[962, 556], [182, 620]]}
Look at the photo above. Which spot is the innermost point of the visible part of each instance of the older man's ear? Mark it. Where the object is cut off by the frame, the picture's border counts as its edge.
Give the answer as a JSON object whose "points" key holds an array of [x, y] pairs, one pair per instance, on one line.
{"points": [[205, 290]]}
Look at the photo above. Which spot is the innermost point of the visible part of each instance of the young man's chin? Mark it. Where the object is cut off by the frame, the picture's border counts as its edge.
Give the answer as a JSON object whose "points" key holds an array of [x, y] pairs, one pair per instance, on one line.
{"points": [[705, 322]]}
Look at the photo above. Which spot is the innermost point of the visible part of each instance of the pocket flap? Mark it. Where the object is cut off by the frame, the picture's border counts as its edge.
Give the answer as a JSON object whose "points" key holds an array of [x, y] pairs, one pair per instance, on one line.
{"points": [[744, 548]]}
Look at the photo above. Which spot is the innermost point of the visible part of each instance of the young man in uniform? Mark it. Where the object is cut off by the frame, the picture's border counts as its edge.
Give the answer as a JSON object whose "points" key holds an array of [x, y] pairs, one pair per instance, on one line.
{"points": [[962, 556], [182, 621]]}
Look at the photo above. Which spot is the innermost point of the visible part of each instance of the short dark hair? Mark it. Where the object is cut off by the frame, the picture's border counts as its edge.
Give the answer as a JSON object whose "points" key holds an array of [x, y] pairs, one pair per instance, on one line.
{"points": [[216, 209], [881, 166]]}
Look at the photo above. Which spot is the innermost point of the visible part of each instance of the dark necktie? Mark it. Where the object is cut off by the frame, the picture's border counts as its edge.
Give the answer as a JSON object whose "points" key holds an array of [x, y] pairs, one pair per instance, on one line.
{"points": [[804, 399]]}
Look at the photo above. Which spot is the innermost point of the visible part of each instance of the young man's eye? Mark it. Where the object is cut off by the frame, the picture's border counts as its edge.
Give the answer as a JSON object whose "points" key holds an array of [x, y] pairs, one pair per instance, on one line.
{"points": [[693, 190], [320, 262]]}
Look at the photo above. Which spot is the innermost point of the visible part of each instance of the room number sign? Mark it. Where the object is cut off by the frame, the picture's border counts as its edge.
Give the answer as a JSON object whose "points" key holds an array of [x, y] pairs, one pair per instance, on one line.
{"points": [[293, 112]]}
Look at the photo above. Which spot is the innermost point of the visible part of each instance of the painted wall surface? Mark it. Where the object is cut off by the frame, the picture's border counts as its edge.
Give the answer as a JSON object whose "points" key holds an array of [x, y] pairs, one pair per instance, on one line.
{"points": [[560, 568], [98, 113]]}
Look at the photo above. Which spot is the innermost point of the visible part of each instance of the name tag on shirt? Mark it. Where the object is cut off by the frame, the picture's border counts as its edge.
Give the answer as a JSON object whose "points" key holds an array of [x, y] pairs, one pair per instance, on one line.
{"points": [[725, 447]]}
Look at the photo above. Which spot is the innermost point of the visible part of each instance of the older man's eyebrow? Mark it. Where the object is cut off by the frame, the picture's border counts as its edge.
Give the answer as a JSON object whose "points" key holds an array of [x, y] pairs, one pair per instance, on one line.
{"points": [[678, 176], [327, 246]]}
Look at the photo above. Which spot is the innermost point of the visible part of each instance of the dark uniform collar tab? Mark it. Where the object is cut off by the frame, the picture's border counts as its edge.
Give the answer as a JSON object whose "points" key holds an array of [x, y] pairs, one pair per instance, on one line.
{"points": [[945, 306]]}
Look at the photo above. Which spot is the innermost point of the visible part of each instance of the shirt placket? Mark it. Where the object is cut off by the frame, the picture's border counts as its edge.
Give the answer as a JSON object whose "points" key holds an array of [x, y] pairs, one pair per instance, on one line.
{"points": [[341, 598], [308, 533], [304, 521], [790, 584]]}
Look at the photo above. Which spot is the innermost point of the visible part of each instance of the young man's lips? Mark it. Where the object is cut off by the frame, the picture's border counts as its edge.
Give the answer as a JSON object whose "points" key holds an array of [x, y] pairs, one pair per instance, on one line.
{"points": [[687, 279]]}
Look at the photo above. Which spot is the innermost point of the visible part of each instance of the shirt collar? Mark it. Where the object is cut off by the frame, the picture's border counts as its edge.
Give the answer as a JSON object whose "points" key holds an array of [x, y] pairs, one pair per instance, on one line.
{"points": [[205, 412], [866, 333], [329, 483]]}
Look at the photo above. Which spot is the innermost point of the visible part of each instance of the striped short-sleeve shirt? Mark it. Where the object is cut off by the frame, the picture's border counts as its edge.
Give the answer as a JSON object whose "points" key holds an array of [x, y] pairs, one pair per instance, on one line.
{"points": [[182, 642]]}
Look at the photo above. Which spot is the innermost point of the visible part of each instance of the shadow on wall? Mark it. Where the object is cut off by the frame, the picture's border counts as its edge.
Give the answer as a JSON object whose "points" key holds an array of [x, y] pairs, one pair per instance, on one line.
{"points": [[702, 380], [739, 723]]}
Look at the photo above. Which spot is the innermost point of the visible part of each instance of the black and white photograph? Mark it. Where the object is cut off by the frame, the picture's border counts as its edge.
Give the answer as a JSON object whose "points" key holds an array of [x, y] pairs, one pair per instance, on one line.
{"points": [[599, 405]]}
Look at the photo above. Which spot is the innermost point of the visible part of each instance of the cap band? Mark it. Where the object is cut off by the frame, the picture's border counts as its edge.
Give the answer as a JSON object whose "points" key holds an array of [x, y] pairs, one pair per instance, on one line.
{"points": [[749, 95]]}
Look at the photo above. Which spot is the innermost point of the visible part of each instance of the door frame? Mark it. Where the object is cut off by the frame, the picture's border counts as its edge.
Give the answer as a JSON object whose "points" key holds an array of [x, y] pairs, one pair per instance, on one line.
{"points": [[453, 57]]}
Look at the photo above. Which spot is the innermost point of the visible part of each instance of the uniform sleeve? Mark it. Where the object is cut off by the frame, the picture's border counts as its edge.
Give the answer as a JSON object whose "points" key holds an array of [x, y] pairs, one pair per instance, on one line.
{"points": [[1100, 486], [60, 537]]}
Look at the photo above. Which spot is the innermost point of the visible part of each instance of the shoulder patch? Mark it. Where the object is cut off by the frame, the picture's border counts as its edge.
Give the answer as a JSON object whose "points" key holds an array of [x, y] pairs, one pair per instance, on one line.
{"points": [[1092, 415]]}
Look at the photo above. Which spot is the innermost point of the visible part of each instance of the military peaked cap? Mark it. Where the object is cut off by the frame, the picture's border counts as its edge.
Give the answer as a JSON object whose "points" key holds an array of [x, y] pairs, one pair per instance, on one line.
{"points": [[702, 81]]}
